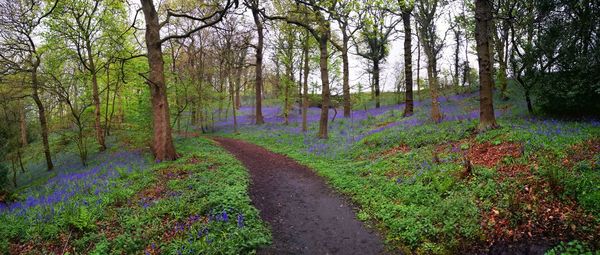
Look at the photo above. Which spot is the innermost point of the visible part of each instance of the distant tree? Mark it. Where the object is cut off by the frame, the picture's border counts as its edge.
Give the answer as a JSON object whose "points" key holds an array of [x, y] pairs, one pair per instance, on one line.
{"points": [[20, 22], [426, 16], [346, 13], [375, 35], [319, 27], [89, 26]]}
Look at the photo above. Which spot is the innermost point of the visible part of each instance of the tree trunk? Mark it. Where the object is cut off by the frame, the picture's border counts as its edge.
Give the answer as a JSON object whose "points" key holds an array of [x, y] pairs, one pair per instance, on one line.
{"points": [[41, 116], [528, 100], [483, 17], [408, 107], [95, 97], [324, 56], [259, 60], [418, 63], [162, 144], [455, 78], [432, 75], [20, 158], [376, 83], [22, 125], [106, 114], [233, 106], [305, 86], [428, 43], [346, 74], [300, 79], [238, 101]]}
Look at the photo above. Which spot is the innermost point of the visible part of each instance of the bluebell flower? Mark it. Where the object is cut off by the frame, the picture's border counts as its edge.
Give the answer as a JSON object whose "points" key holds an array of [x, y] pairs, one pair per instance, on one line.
{"points": [[224, 216], [240, 220]]}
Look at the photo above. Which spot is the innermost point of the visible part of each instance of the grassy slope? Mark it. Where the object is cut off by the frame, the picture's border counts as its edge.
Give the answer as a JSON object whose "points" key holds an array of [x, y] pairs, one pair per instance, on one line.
{"points": [[409, 175], [198, 203]]}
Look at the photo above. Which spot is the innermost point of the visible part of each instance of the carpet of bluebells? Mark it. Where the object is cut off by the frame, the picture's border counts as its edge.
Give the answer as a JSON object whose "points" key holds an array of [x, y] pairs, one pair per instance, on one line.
{"points": [[121, 202], [410, 179]]}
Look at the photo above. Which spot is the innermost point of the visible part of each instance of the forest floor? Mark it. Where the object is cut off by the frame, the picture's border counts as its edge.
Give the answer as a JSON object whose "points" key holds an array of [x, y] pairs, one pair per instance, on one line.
{"points": [[444, 188], [306, 216]]}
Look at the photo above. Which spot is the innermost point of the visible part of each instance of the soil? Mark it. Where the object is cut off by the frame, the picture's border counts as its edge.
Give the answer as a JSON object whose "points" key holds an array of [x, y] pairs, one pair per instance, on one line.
{"points": [[305, 215]]}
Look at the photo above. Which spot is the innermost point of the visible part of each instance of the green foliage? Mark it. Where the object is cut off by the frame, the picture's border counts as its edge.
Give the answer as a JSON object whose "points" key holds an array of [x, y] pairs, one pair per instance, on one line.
{"points": [[559, 57], [421, 196], [570, 94], [82, 219], [571, 248], [192, 194]]}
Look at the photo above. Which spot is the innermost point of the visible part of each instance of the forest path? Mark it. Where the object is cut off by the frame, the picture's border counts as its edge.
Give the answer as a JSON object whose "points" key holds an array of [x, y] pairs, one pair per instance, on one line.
{"points": [[306, 216]]}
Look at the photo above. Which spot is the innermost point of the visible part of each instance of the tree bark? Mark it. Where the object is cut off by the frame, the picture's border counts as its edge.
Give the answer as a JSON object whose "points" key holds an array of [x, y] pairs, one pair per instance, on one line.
{"points": [[455, 78], [432, 75], [162, 144], [324, 56], [259, 60], [409, 106], [22, 126], [305, 86], [41, 115], [376, 83], [107, 117], [290, 80], [95, 97], [483, 17], [418, 63], [346, 75]]}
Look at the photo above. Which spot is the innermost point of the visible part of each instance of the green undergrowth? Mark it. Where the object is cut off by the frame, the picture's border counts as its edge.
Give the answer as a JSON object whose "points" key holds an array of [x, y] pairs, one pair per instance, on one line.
{"points": [[414, 184], [196, 204]]}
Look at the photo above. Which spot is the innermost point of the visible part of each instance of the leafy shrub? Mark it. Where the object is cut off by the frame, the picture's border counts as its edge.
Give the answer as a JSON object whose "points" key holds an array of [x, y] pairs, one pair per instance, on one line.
{"points": [[572, 94], [82, 219], [571, 248]]}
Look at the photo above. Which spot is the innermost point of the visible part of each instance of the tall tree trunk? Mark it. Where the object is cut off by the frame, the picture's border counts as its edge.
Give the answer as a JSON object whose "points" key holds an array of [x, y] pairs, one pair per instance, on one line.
{"points": [[528, 100], [305, 85], [483, 17], [346, 75], [162, 144], [324, 56], [289, 82], [107, 117], [233, 106], [418, 63], [432, 75], [408, 108], [455, 78], [20, 158], [259, 60], [376, 83], [22, 125], [95, 96], [238, 100], [300, 79], [41, 116]]}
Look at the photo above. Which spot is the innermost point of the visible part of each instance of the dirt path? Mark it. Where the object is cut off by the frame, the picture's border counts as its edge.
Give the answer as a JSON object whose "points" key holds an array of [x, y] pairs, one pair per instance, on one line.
{"points": [[305, 215]]}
